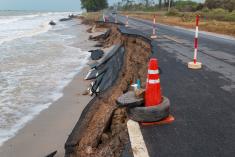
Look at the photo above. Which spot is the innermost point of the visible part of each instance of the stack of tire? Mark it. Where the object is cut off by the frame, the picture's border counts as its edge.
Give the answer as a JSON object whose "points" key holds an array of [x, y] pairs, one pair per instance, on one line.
{"points": [[138, 112], [150, 114]]}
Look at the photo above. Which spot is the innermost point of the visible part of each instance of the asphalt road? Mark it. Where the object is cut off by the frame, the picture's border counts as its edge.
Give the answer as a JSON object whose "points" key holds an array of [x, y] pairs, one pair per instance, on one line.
{"points": [[203, 101]]}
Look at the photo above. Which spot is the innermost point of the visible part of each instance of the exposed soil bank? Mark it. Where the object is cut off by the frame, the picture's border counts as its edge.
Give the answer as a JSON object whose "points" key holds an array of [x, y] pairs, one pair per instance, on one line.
{"points": [[104, 130]]}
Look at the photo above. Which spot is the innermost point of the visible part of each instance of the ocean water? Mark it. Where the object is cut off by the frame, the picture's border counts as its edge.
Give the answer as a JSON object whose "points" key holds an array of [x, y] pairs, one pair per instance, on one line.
{"points": [[36, 62]]}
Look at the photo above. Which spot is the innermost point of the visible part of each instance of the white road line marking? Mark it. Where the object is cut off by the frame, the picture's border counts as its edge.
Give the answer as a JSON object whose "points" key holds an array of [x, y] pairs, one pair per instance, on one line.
{"points": [[138, 146], [173, 39]]}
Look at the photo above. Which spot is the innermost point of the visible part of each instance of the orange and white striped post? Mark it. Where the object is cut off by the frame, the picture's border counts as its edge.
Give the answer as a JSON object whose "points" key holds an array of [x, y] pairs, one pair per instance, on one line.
{"points": [[196, 40], [104, 18], [195, 64], [127, 23], [154, 36]]}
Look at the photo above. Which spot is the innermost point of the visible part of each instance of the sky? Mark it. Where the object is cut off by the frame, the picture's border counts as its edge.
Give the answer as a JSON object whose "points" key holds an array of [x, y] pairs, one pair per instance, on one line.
{"points": [[48, 5]]}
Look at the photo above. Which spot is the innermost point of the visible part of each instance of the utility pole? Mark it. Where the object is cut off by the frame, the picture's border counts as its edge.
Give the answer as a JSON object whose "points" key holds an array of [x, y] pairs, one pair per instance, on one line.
{"points": [[169, 6]]}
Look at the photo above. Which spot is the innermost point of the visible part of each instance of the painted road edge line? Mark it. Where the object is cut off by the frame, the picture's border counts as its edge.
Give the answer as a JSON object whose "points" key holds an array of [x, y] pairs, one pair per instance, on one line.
{"points": [[138, 146]]}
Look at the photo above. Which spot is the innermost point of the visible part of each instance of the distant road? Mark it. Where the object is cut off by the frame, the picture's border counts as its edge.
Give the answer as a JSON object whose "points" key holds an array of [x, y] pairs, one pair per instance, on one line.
{"points": [[217, 52]]}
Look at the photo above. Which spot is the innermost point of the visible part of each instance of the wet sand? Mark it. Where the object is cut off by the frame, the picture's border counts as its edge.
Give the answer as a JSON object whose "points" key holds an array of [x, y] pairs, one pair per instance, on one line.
{"points": [[51, 128]]}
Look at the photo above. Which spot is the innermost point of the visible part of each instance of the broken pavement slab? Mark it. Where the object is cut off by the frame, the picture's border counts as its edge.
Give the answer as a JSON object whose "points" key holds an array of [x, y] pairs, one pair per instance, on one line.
{"points": [[129, 100]]}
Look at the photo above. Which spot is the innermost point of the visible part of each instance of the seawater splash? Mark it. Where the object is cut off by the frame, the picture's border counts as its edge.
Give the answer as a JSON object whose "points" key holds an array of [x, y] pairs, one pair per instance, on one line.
{"points": [[35, 66], [14, 27], [40, 29]]}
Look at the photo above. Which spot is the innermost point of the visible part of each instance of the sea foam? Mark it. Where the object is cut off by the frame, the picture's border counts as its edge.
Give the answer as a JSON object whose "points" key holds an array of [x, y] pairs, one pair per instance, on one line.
{"points": [[35, 66]]}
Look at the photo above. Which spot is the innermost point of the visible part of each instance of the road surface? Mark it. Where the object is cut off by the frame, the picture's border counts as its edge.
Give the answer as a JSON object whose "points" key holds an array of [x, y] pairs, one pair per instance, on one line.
{"points": [[203, 101]]}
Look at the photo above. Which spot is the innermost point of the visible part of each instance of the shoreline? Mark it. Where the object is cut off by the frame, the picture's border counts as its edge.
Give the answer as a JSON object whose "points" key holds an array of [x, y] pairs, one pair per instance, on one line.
{"points": [[49, 130]]}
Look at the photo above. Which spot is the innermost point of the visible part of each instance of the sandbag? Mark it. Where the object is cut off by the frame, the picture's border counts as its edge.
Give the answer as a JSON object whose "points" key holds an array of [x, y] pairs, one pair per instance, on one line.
{"points": [[96, 54]]}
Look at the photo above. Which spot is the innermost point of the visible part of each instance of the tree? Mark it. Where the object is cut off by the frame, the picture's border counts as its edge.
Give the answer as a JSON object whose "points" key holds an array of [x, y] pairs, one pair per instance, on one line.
{"points": [[94, 5], [186, 5], [225, 4], [146, 3], [160, 4]]}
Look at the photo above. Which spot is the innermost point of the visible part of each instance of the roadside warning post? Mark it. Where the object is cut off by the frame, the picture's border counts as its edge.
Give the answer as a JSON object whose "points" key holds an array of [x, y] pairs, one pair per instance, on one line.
{"points": [[127, 23], [154, 36], [103, 17], [195, 64], [116, 20]]}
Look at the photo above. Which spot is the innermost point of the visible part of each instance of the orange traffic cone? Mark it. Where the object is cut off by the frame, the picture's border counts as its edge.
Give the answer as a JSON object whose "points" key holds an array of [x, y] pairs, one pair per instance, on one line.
{"points": [[153, 94]]}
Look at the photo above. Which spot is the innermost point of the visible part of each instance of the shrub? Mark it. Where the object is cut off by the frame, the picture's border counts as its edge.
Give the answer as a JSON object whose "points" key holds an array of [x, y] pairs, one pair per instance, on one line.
{"points": [[225, 4], [187, 6], [219, 14], [230, 16], [173, 12], [205, 10], [188, 17]]}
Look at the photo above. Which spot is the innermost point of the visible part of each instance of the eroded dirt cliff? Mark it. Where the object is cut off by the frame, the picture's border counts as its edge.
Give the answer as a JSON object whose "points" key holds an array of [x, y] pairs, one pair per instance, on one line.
{"points": [[106, 132]]}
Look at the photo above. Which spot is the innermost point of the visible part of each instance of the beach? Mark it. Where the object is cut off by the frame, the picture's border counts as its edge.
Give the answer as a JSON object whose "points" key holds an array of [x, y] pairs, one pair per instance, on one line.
{"points": [[47, 128], [50, 129]]}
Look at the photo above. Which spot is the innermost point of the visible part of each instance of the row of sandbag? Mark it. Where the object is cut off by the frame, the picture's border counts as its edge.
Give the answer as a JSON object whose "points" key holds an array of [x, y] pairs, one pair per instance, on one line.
{"points": [[105, 72]]}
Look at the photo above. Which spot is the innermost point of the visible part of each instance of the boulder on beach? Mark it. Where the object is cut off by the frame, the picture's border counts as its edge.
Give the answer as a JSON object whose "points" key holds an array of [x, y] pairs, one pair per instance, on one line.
{"points": [[65, 19], [96, 54], [52, 23], [70, 17]]}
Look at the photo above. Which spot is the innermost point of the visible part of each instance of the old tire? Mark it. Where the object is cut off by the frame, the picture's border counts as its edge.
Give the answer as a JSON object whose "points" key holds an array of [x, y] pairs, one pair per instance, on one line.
{"points": [[150, 114]]}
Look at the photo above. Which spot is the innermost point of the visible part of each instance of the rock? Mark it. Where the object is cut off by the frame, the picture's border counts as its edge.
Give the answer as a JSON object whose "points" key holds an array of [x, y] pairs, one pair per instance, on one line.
{"points": [[139, 93], [52, 154], [64, 19], [115, 142], [86, 92], [104, 137], [93, 29], [70, 17], [118, 112], [123, 136], [99, 45], [52, 23], [89, 150], [96, 54]]}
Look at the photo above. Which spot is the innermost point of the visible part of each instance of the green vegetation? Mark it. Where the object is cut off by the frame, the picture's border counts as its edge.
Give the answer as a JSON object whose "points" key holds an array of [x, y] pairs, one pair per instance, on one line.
{"points": [[207, 14], [225, 4], [94, 5], [221, 10], [187, 6]]}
